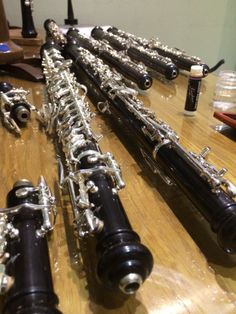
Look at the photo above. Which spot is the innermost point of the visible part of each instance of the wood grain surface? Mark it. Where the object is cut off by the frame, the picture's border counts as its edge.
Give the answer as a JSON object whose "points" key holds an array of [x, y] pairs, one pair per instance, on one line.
{"points": [[191, 273]]}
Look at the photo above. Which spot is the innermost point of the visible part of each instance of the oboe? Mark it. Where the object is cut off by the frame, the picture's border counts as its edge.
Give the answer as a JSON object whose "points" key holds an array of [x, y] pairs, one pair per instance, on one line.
{"points": [[28, 29], [179, 57], [202, 183], [25, 270], [14, 107], [139, 53], [93, 179], [135, 72]]}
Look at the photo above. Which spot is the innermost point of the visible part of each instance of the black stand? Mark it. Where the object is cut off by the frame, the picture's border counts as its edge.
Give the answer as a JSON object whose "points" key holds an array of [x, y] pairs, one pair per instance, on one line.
{"points": [[70, 13]]}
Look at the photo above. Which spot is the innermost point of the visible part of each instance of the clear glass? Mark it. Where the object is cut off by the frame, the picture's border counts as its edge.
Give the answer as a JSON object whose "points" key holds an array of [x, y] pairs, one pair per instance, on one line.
{"points": [[225, 91]]}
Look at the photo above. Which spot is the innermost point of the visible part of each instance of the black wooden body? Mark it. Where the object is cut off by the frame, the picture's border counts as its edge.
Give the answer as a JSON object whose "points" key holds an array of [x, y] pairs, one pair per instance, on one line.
{"points": [[114, 30], [218, 208], [28, 29], [32, 291], [70, 14], [158, 64], [182, 60], [132, 72]]}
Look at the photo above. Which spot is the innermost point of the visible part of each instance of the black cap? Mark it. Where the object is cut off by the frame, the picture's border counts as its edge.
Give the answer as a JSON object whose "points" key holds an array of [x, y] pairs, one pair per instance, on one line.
{"points": [[47, 22], [5, 87]]}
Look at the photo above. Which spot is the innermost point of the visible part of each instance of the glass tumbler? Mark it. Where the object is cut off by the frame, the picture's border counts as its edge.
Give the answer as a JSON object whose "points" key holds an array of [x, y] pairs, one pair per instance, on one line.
{"points": [[225, 91]]}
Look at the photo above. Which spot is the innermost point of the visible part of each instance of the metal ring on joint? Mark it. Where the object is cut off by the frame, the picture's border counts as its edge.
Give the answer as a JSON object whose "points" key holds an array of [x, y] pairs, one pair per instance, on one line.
{"points": [[158, 146], [86, 153], [130, 283]]}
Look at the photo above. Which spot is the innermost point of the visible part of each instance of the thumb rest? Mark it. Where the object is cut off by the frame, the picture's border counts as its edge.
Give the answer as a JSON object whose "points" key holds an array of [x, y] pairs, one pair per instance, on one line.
{"points": [[92, 178], [202, 183], [25, 275]]}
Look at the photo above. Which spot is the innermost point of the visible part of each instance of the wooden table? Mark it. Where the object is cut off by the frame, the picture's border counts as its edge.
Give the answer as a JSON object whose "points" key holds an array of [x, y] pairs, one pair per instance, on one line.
{"points": [[191, 273]]}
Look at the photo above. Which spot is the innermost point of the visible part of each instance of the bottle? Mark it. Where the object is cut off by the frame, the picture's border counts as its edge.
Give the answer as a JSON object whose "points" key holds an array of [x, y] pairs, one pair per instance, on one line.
{"points": [[194, 85]]}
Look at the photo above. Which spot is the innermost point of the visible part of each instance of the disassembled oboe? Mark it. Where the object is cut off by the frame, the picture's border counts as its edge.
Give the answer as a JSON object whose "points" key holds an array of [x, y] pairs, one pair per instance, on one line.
{"points": [[25, 267], [14, 107], [149, 57], [93, 179], [200, 181]]}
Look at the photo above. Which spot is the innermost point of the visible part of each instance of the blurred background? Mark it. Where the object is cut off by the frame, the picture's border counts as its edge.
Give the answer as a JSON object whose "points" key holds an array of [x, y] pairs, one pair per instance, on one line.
{"points": [[205, 28]]}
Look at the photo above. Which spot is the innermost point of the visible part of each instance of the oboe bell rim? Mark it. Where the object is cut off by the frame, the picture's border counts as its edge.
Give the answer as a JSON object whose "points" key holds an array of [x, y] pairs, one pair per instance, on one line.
{"points": [[130, 283]]}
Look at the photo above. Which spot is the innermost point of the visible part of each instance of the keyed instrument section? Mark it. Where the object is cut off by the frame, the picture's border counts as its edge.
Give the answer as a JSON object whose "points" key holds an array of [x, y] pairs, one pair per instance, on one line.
{"points": [[6, 230], [178, 56], [149, 57], [136, 72], [25, 275], [201, 181], [14, 107], [92, 178], [141, 41], [214, 176], [74, 132], [46, 203]]}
